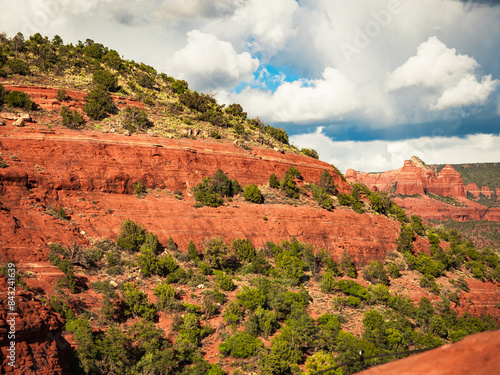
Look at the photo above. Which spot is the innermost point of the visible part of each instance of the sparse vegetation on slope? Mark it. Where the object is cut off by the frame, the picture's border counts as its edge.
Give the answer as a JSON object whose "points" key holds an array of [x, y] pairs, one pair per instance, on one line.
{"points": [[166, 105]]}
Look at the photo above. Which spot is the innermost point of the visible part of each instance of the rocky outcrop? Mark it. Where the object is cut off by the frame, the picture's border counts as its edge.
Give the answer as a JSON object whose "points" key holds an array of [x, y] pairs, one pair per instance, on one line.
{"points": [[91, 175], [476, 354], [413, 178], [472, 189], [447, 183], [40, 348]]}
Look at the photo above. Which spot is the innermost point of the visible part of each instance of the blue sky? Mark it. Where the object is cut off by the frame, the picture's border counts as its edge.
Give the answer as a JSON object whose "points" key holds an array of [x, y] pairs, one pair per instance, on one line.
{"points": [[368, 83]]}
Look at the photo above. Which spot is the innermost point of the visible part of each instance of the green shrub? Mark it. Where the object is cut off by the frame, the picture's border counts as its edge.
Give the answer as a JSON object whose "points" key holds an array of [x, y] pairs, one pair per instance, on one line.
{"points": [[150, 264], [279, 134], [405, 239], [216, 252], [322, 197], [165, 296], [99, 103], [288, 184], [132, 236], [327, 183], [224, 281], [310, 152], [251, 298], [239, 128], [240, 345], [393, 270], [289, 268], [193, 252], [243, 249], [380, 202], [197, 102], [71, 119], [62, 95], [322, 361], [347, 265], [352, 288], [233, 313], [328, 282], [236, 110], [113, 60], [146, 80], [139, 188], [262, 321], [137, 303], [376, 273], [179, 86], [69, 280], [18, 66], [215, 134], [252, 194], [135, 119], [208, 191], [428, 281], [18, 99], [416, 225], [273, 182], [105, 79]]}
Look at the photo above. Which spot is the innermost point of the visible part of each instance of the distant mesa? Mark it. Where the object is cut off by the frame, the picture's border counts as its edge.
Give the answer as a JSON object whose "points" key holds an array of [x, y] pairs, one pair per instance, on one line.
{"points": [[415, 177], [415, 185]]}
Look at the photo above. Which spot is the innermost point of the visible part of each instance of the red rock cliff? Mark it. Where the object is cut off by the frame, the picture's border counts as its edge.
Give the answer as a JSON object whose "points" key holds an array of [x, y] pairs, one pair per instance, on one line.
{"points": [[413, 178], [91, 175]]}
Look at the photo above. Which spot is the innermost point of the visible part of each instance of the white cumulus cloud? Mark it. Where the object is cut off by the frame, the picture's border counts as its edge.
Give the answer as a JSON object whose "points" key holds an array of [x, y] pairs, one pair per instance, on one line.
{"points": [[451, 75], [303, 100], [209, 63], [265, 26]]}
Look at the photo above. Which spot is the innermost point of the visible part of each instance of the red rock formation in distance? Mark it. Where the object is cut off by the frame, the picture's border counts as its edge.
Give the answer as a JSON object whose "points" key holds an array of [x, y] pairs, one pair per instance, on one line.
{"points": [[415, 179]]}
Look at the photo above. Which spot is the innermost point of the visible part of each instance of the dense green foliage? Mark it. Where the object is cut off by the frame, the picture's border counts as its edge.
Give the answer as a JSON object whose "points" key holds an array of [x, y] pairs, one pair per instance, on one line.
{"points": [[132, 236], [99, 103], [71, 119], [15, 99], [310, 152], [277, 133], [274, 182], [211, 190], [391, 323], [252, 193], [240, 345]]}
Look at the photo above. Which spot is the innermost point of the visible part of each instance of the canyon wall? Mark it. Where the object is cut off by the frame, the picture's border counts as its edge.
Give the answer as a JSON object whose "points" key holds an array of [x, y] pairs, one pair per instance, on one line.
{"points": [[91, 176]]}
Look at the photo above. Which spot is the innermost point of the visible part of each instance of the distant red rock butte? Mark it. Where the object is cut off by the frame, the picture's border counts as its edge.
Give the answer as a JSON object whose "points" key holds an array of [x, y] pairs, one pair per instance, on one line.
{"points": [[416, 179]]}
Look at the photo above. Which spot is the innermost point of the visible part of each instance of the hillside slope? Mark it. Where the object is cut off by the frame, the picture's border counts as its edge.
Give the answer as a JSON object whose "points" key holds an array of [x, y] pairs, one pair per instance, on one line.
{"points": [[63, 168]]}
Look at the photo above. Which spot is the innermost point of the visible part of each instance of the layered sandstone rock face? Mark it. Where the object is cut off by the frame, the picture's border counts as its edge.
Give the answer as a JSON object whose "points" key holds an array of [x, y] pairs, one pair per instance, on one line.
{"points": [[40, 348], [91, 176]]}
